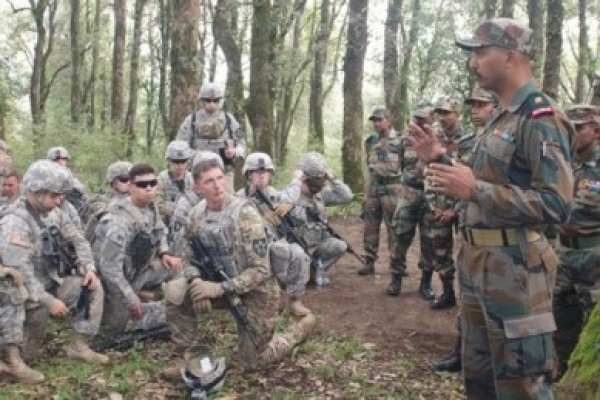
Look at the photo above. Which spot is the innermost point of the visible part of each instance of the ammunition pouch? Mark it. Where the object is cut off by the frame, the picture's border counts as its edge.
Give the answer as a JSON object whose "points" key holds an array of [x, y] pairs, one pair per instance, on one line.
{"points": [[140, 249]]}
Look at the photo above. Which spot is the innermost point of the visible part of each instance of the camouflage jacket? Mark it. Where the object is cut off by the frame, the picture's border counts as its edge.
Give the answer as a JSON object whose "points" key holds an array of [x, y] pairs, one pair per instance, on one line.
{"points": [[168, 190], [384, 156], [183, 206]]}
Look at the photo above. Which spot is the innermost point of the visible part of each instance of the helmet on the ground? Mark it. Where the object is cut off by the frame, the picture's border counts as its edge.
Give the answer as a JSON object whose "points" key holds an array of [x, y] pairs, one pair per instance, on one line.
{"points": [[46, 175], [211, 90], [202, 373], [258, 161], [178, 150], [117, 169]]}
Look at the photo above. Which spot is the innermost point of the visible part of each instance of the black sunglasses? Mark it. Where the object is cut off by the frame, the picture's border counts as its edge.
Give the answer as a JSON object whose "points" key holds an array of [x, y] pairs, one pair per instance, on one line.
{"points": [[123, 179], [211, 100], [179, 161], [145, 184]]}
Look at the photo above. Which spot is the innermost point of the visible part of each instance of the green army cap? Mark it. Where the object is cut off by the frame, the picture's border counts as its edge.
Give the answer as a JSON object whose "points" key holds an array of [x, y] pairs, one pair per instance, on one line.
{"points": [[423, 112], [480, 94], [580, 114], [380, 113], [501, 32], [449, 105]]}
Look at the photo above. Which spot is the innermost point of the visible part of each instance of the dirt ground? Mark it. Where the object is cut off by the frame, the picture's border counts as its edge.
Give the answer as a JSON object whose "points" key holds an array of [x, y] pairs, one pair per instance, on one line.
{"points": [[357, 306]]}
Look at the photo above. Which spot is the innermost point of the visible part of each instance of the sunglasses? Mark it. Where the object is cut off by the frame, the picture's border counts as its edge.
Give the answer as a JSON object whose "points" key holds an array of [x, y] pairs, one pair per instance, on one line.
{"points": [[123, 179], [146, 184], [179, 161], [211, 100]]}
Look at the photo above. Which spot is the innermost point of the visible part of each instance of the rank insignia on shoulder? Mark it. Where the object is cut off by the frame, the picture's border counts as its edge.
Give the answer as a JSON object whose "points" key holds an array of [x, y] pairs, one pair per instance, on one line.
{"points": [[538, 112]]}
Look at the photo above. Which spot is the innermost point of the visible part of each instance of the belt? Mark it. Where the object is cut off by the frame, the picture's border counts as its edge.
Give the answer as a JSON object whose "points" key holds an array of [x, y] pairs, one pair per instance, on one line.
{"points": [[497, 237], [385, 180], [580, 242]]}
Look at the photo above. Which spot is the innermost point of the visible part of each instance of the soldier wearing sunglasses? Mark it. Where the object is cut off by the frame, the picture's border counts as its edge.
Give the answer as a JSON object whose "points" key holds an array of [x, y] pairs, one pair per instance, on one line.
{"points": [[132, 254]]}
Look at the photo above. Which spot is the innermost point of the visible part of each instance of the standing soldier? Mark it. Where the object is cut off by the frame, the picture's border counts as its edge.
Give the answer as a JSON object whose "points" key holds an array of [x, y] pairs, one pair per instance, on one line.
{"points": [[482, 103], [78, 195], [175, 180], [215, 130], [310, 194], [383, 162], [35, 237], [520, 179], [578, 279]]}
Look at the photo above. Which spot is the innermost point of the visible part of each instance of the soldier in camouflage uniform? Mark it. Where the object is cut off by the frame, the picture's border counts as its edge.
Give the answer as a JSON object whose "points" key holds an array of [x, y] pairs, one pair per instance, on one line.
{"points": [[78, 195], [411, 211], [185, 203], [578, 279], [117, 177], [6, 164], [24, 229], [174, 181], [233, 232], [290, 263], [132, 254], [519, 179], [310, 195], [11, 188], [383, 163], [482, 103], [215, 130]]}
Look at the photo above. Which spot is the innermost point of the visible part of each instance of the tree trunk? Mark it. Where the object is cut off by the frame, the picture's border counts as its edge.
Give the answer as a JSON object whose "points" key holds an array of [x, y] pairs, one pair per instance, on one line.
{"points": [[508, 9], [583, 61], [352, 151], [258, 104], [75, 58], [134, 81], [390, 51], [554, 24], [118, 61], [166, 21], [489, 8], [185, 83], [535, 11], [90, 89], [316, 135]]}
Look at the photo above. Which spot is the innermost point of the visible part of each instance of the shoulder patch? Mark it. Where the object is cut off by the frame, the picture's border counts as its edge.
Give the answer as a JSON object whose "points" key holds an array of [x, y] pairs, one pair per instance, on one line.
{"points": [[19, 240], [542, 111], [260, 247], [537, 104]]}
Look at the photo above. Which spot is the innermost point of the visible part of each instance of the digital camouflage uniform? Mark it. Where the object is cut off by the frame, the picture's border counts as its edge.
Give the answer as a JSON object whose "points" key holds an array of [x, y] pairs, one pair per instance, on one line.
{"points": [[169, 188], [577, 287], [506, 267], [77, 196], [71, 213], [214, 132], [309, 209], [235, 236], [128, 242], [383, 163], [12, 311], [21, 244], [183, 206]]}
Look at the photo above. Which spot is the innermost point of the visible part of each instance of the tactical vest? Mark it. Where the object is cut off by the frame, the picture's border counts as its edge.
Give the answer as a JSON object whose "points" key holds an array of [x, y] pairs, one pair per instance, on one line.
{"points": [[207, 134], [172, 190], [220, 234], [313, 231]]}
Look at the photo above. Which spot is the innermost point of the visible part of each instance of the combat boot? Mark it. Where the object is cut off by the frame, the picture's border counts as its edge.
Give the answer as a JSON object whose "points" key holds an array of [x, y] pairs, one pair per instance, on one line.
{"points": [[447, 299], [452, 362], [368, 268], [13, 364], [425, 287], [79, 349], [298, 309], [395, 285]]}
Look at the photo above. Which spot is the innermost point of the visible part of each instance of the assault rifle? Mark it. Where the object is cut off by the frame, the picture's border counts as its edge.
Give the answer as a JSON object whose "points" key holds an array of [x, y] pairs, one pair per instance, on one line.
{"points": [[77, 198], [212, 271], [128, 339], [287, 224], [314, 215]]}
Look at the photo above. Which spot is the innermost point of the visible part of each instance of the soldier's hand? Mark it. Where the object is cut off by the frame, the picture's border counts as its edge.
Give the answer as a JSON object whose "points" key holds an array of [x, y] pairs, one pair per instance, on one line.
{"points": [[201, 289], [447, 215], [90, 279], [282, 209], [202, 306], [230, 152], [135, 310], [58, 309], [172, 262], [425, 142], [272, 218], [9, 272], [456, 180]]}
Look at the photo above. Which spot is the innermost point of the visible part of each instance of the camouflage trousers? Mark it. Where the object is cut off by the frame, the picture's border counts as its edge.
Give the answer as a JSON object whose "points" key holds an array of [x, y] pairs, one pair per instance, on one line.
{"points": [[379, 206], [290, 265], [116, 313], [507, 320], [261, 307], [36, 316], [329, 251], [435, 237], [576, 292], [12, 312]]}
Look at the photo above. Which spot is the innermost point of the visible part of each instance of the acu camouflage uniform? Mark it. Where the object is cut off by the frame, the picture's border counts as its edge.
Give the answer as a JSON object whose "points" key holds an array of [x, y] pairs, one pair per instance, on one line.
{"points": [[577, 287], [168, 191], [235, 236], [12, 311], [384, 161], [183, 206], [128, 242]]}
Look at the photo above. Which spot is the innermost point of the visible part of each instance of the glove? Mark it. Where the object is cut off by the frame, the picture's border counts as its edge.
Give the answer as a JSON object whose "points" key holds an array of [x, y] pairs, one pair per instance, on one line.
{"points": [[8, 272], [200, 290], [282, 209], [203, 306], [273, 218]]}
